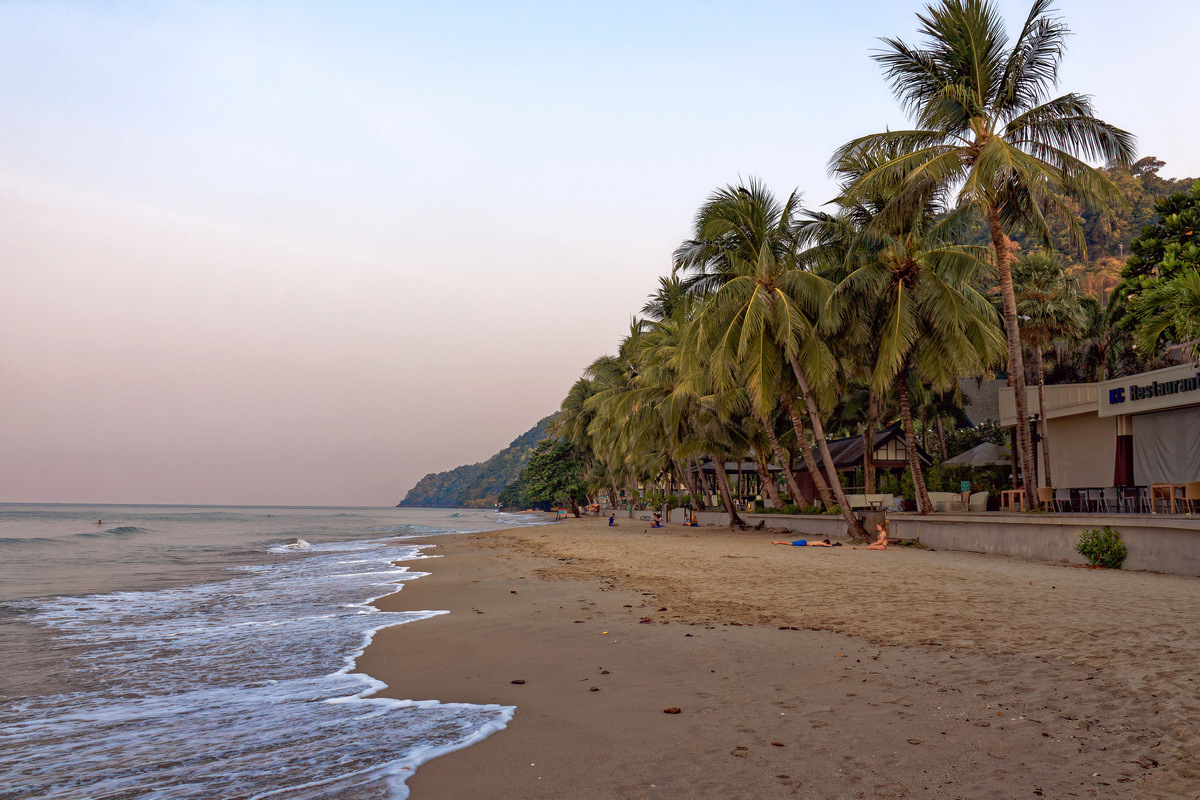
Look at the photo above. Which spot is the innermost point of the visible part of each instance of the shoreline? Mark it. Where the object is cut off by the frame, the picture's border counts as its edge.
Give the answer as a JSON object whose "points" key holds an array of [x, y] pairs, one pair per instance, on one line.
{"points": [[901, 673]]}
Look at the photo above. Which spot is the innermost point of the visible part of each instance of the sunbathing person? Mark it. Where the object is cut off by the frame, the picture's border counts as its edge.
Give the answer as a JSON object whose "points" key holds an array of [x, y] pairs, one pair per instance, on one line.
{"points": [[881, 542], [806, 543]]}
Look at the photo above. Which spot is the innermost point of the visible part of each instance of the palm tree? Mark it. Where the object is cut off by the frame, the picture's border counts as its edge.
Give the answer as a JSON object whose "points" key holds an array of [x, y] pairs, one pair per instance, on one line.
{"points": [[986, 129], [1170, 310], [764, 314], [1049, 307], [907, 297], [671, 296]]}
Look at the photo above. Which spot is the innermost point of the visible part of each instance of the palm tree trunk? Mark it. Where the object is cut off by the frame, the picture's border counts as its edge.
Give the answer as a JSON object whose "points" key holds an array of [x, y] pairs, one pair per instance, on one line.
{"points": [[691, 484], [1016, 363], [726, 497], [701, 502], [853, 527], [806, 452], [768, 485], [784, 464], [910, 444], [941, 432], [1037, 364], [868, 437]]}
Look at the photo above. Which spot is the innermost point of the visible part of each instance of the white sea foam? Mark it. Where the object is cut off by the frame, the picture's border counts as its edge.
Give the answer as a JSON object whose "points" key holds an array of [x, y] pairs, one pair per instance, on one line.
{"points": [[294, 544], [236, 689]]}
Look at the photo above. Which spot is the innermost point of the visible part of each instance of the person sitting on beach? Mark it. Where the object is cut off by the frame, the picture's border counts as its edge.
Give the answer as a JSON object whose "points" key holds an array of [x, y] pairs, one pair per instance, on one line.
{"points": [[657, 521], [806, 543], [612, 521], [881, 542], [690, 522]]}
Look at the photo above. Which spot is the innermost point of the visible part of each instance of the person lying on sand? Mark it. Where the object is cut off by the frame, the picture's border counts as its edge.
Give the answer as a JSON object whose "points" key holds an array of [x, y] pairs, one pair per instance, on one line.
{"points": [[881, 542], [612, 523], [806, 543]]}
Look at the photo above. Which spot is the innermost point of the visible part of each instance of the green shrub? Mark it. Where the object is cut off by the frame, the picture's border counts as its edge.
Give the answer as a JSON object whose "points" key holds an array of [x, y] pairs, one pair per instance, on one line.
{"points": [[813, 509], [834, 509], [1102, 547], [790, 508], [935, 478]]}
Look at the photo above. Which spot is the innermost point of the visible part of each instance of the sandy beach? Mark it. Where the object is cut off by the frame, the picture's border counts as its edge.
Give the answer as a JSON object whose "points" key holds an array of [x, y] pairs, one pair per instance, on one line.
{"points": [[797, 672]]}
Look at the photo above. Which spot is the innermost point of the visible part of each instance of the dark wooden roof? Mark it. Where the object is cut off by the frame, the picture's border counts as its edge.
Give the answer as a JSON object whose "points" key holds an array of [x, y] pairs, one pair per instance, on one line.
{"points": [[847, 454]]}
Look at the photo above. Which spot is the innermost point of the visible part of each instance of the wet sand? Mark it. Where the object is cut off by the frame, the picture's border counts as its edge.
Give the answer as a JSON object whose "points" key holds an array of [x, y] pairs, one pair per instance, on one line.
{"points": [[798, 672]]}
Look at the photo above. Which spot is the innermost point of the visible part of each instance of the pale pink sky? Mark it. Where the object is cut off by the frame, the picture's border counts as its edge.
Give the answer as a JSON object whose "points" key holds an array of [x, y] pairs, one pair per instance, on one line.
{"points": [[304, 253]]}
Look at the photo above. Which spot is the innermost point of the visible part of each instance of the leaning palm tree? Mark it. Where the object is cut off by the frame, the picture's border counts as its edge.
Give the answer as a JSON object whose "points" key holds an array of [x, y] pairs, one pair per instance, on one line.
{"points": [[986, 129], [1049, 307], [764, 315], [907, 298], [934, 327]]}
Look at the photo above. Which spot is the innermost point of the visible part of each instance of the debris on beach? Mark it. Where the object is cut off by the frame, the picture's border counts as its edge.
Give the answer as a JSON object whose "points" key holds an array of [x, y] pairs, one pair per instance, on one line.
{"points": [[518, 681], [671, 710]]}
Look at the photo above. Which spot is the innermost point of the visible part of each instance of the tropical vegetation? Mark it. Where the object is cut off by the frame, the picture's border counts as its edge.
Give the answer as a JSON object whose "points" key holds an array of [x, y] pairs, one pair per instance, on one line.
{"points": [[955, 250]]}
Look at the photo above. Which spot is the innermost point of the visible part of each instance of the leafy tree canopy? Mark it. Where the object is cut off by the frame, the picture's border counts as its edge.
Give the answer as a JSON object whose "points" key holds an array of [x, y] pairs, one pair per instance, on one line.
{"points": [[555, 473], [1169, 245]]}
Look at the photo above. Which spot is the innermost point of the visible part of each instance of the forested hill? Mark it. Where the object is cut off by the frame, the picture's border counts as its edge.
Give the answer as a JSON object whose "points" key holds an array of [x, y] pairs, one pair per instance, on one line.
{"points": [[476, 485]]}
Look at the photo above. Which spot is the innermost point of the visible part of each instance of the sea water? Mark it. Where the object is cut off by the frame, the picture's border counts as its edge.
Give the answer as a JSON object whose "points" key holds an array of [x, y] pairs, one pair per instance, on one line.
{"points": [[168, 652]]}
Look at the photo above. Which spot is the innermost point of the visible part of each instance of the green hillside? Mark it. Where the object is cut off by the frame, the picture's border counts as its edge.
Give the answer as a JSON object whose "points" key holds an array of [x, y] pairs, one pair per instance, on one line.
{"points": [[476, 485]]}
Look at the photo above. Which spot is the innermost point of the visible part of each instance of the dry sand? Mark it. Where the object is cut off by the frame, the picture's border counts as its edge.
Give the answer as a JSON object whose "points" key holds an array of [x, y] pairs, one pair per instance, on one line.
{"points": [[798, 672]]}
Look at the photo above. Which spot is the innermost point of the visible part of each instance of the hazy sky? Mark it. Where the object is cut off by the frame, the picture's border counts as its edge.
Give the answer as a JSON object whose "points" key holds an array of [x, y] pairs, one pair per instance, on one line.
{"points": [[305, 253]]}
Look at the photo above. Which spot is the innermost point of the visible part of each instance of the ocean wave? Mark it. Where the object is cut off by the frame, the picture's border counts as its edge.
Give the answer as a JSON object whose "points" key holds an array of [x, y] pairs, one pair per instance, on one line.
{"points": [[295, 543], [242, 688], [121, 530], [411, 528], [26, 541]]}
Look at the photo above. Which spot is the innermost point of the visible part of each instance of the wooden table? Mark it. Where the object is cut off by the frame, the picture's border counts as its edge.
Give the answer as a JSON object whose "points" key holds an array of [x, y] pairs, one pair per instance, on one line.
{"points": [[1165, 491], [1012, 500]]}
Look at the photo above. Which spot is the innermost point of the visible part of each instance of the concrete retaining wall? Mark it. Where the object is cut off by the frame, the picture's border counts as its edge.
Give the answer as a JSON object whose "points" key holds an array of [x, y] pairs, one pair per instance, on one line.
{"points": [[1156, 543], [817, 526]]}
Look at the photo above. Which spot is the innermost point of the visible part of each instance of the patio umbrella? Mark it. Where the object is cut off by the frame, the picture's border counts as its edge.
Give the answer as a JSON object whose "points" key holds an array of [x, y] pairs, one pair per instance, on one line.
{"points": [[982, 455]]}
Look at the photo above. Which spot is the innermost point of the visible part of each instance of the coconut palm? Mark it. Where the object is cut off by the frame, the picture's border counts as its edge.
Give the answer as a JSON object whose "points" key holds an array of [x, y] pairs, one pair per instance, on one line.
{"points": [[933, 326], [764, 314], [986, 129], [1049, 308], [907, 298]]}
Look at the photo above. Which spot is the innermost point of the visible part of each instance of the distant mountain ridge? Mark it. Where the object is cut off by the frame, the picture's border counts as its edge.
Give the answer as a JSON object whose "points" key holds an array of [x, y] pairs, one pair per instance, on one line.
{"points": [[477, 485]]}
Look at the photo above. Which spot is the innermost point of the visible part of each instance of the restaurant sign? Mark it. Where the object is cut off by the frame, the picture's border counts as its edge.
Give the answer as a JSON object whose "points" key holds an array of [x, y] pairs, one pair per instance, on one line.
{"points": [[1150, 391]]}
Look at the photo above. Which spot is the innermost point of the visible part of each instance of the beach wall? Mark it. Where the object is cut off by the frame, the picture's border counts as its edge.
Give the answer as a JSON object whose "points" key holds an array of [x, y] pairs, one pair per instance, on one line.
{"points": [[1156, 543], [815, 525]]}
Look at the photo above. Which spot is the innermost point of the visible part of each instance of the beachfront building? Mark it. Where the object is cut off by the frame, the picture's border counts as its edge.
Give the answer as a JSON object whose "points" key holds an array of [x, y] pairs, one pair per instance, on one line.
{"points": [[1138, 430], [847, 454]]}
